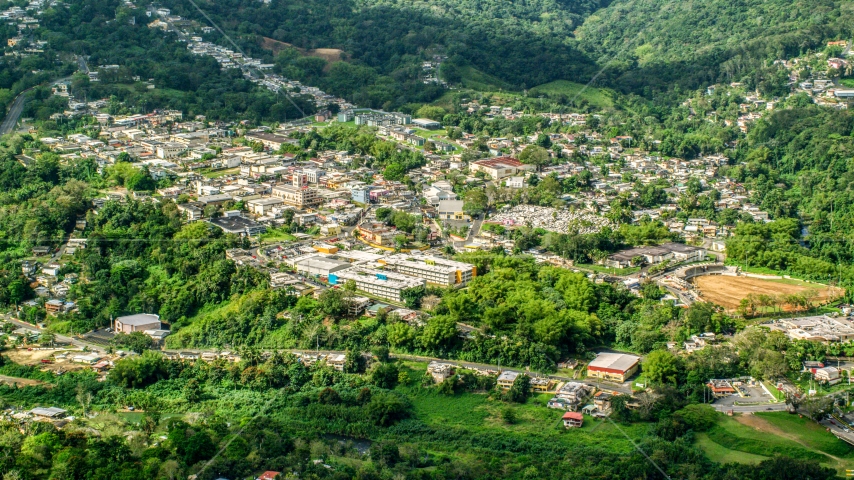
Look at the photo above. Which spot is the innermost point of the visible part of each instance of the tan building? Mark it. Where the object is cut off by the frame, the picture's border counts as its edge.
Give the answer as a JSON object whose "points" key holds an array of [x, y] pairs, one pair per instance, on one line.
{"points": [[300, 197], [377, 233]]}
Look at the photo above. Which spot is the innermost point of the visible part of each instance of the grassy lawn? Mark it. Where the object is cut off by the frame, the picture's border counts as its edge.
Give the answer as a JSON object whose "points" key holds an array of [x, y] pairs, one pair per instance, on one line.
{"points": [[474, 413], [612, 271], [721, 454], [220, 173], [810, 433], [752, 437], [277, 235], [847, 82], [594, 96], [773, 389]]}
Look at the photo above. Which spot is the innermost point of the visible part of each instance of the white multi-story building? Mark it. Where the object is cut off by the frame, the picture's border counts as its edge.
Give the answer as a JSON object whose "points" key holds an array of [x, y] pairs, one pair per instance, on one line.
{"points": [[435, 270], [383, 284]]}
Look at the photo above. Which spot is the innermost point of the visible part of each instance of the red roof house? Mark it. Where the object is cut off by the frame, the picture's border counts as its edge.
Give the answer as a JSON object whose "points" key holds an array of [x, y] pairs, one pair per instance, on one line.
{"points": [[572, 419]]}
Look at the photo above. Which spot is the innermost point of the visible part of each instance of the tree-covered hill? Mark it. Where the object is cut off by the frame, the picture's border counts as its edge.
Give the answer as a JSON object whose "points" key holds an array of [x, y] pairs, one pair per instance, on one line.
{"points": [[522, 43], [655, 43]]}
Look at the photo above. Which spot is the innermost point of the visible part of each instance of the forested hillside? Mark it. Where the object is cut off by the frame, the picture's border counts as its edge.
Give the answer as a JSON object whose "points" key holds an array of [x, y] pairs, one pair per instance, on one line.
{"points": [[651, 44], [644, 46], [526, 44]]}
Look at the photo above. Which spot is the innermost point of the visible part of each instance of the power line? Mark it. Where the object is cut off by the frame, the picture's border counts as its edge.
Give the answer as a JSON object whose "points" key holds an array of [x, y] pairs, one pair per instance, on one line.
{"points": [[651, 461], [243, 53]]}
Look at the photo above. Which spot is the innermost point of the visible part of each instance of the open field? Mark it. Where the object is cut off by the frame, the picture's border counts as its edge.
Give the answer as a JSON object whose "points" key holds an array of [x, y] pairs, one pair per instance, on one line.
{"points": [[328, 54], [748, 438], [719, 453], [728, 291], [20, 382], [594, 96]]}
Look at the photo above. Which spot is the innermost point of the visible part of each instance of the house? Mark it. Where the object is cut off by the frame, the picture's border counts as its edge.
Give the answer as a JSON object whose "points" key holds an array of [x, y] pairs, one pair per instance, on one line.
{"points": [[602, 401], [828, 375], [572, 419], [51, 269], [269, 475], [157, 335], [616, 367], [440, 371], [515, 182], [506, 378], [191, 212], [560, 403], [48, 413], [337, 361], [137, 323]]}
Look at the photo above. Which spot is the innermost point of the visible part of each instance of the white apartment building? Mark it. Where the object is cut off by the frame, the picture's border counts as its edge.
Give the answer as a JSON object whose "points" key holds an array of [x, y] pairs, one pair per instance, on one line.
{"points": [[435, 270], [383, 284]]}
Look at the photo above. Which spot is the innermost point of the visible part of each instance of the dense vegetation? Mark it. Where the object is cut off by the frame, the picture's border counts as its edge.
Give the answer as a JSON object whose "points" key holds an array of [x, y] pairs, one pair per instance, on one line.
{"points": [[654, 45], [276, 414]]}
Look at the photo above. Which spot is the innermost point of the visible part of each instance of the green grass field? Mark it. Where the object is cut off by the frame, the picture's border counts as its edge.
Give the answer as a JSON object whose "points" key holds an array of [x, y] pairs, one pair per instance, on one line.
{"points": [[478, 413], [277, 235], [847, 82], [772, 433], [220, 173], [721, 454], [594, 96], [612, 271], [477, 80]]}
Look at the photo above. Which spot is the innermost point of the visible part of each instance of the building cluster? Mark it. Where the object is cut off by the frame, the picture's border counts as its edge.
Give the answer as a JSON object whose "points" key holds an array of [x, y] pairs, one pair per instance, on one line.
{"points": [[671, 251], [26, 20], [387, 277], [819, 328]]}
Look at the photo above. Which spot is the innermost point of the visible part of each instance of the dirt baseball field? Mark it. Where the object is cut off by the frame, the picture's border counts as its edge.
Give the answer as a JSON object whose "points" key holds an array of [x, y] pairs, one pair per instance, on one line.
{"points": [[727, 291]]}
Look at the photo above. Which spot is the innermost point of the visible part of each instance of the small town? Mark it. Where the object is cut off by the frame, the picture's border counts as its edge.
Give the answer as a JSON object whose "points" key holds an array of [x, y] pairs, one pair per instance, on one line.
{"points": [[227, 251]]}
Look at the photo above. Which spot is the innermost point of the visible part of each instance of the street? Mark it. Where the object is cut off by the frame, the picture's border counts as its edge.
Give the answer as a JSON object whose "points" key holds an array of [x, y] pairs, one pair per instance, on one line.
{"points": [[59, 338], [14, 114]]}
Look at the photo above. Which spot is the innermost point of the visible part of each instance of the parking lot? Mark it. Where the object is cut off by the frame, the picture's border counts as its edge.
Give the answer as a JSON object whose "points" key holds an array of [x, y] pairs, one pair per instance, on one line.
{"points": [[747, 395]]}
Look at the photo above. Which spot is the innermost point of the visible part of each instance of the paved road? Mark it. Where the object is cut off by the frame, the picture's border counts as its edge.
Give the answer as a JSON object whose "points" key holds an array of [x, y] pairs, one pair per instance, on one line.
{"points": [[768, 407], [14, 114], [622, 388], [60, 338]]}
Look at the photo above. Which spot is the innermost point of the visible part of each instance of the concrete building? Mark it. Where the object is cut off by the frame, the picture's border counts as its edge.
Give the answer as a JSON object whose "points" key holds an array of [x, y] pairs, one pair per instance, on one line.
{"points": [[263, 206], [320, 265], [818, 328], [137, 323], [299, 197], [500, 167], [426, 123], [235, 224], [617, 367], [383, 284], [451, 210], [434, 270], [269, 140]]}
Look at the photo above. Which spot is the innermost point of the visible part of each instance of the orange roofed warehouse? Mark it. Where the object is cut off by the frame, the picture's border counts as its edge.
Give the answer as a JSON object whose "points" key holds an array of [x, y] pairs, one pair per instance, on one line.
{"points": [[616, 367]]}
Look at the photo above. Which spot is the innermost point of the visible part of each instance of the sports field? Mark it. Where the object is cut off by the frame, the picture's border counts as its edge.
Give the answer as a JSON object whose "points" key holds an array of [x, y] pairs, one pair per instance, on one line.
{"points": [[728, 291]]}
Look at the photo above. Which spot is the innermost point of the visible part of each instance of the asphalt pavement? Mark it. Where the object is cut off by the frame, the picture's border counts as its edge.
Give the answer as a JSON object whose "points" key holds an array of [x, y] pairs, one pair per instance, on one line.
{"points": [[14, 114]]}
